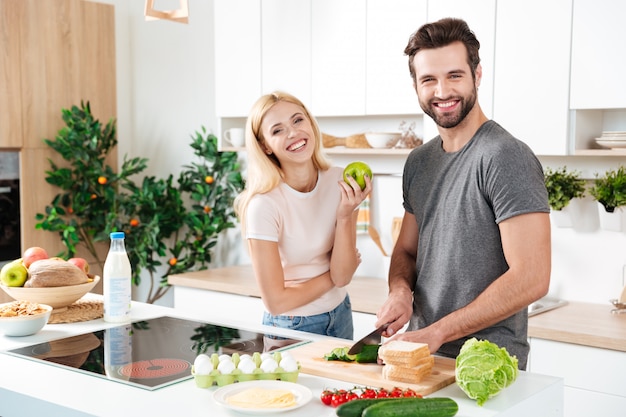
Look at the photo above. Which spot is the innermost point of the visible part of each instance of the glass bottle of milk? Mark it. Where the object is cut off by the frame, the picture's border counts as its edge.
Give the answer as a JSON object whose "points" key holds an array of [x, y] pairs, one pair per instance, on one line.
{"points": [[116, 285]]}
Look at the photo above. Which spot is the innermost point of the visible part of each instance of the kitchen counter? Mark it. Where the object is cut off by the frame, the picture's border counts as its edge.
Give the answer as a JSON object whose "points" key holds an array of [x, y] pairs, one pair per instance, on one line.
{"points": [[579, 323], [366, 294], [29, 388]]}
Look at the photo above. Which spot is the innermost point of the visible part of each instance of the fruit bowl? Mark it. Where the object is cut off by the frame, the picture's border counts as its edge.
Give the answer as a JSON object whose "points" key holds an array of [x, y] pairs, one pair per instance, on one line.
{"points": [[56, 297], [382, 140], [24, 324]]}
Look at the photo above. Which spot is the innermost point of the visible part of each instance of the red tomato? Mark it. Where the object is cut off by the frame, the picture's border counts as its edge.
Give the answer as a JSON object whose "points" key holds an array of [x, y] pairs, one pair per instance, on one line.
{"points": [[338, 399], [326, 397], [351, 396], [368, 393], [382, 393], [396, 392], [410, 393]]}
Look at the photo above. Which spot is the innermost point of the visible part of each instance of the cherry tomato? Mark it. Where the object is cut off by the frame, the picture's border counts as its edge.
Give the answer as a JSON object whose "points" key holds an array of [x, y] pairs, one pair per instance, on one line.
{"points": [[326, 397], [338, 399], [368, 393], [382, 393], [351, 396], [410, 393], [396, 392]]}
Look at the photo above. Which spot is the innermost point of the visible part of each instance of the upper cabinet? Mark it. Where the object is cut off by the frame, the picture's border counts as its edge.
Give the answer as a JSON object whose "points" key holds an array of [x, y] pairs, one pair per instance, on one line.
{"points": [[598, 57], [11, 16], [388, 85], [338, 57], [237, 26], [532, 59], [286, 47]]}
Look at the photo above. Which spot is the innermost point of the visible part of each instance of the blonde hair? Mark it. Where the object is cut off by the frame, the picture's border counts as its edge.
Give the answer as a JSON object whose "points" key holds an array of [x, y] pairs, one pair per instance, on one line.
{"points": [[264, 172]]}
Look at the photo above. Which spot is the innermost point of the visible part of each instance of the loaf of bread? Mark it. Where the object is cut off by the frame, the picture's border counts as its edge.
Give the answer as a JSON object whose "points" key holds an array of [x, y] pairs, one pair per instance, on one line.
{"points": [[410, 375], [406, 361], [54, 273], [403, 353]]}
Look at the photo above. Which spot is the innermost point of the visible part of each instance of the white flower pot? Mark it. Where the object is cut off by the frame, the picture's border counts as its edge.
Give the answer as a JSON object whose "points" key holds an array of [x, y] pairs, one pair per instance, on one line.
{"points": [[561, 218], [611, 221]]}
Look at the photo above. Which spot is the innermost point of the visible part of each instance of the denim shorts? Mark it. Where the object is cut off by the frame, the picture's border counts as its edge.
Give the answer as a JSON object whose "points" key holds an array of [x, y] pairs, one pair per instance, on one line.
{"points": [[336, 323]]}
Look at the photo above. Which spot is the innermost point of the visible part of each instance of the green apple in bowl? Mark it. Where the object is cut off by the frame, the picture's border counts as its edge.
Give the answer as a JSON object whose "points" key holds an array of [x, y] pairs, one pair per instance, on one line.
{"points": [[14, 274], [357, 170]]}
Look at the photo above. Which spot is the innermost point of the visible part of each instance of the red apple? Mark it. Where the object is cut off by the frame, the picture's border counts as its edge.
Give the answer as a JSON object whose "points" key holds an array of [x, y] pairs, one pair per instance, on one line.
{"points": [[33, 254], [81, 263]]}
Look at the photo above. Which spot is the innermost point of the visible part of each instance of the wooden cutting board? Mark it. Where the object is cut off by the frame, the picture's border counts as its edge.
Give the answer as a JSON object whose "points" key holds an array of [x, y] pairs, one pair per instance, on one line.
{"points": [[311, 358]]}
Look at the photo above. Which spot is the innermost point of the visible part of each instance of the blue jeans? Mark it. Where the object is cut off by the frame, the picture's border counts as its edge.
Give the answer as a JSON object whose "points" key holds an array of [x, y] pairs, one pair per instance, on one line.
{"points": [[336, 323]]}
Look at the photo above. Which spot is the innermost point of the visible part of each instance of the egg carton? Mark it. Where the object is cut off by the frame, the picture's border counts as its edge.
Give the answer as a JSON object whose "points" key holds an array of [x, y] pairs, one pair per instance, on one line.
{"points": [[216, 377]]}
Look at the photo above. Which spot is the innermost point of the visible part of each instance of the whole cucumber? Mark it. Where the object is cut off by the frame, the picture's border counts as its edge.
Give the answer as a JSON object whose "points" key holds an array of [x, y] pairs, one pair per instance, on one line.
{"points": [[419, 407], [355, 408]]}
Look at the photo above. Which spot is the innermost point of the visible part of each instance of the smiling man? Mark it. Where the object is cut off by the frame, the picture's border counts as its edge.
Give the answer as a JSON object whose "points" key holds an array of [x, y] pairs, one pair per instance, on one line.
{"points": [[474, 248]]}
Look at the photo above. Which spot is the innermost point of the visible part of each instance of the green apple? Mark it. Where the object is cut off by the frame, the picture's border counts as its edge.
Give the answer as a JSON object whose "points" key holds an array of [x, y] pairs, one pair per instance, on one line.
{"points": [[14, 274], [357, 170]]}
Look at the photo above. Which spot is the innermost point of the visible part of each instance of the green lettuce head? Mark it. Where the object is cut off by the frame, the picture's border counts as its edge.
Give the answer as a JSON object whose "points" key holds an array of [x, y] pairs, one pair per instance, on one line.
{"points": [[483, 369]]}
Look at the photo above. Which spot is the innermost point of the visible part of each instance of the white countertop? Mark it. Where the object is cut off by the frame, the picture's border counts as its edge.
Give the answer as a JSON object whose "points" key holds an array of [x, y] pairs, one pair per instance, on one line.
{"points": [[30, 388]]}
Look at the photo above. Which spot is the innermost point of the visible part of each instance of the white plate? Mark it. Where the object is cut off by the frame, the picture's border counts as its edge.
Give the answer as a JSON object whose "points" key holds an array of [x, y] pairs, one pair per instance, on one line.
{"points": [[613, 144], [303, 395]]}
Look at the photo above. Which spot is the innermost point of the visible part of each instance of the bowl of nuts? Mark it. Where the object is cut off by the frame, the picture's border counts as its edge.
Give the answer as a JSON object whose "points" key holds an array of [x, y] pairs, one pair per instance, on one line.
{"points": [[23, 318]]}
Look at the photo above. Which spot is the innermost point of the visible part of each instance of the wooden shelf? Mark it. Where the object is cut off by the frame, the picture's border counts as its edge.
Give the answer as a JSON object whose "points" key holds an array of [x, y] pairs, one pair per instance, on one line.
{"points": [[600, 152]]}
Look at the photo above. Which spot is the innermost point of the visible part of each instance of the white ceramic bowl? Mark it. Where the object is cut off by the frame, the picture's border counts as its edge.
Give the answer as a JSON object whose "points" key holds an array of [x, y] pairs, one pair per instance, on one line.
{"points": [[24, 325], [57, 297], [382, 140]]}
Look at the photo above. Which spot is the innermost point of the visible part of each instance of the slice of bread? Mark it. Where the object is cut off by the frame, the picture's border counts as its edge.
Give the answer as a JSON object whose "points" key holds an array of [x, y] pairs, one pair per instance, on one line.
{"points": [[403, 353], [410, 375]]}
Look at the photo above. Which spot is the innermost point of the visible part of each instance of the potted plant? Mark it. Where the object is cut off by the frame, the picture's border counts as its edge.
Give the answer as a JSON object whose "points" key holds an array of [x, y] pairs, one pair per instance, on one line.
{"points": [[563, 186], [610, 193], [171, 225]]}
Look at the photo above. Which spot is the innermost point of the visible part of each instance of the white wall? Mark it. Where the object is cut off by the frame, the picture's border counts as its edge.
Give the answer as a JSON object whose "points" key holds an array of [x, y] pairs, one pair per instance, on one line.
{"points": [[165, 91]]}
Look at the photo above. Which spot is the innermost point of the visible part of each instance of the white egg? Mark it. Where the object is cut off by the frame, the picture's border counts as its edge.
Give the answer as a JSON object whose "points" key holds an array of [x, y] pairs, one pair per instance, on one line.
{"points": [[226, 366], [269, 365], [247, 366], [289, 364], [245, 356], [265, 355], [224, 357], [202, 365], [286, 354]]}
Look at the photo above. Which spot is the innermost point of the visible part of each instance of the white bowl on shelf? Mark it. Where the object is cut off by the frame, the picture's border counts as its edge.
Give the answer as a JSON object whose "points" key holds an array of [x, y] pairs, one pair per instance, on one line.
{"points": [[382, 139]]}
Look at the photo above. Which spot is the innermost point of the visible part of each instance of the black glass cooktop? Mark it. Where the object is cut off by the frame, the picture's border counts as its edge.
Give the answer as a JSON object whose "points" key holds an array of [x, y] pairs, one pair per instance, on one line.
{"points": [[149, 354]]}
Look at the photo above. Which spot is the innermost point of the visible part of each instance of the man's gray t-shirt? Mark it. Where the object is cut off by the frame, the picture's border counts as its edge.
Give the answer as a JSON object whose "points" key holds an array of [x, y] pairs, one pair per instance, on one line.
{"points": [[458, 199]]}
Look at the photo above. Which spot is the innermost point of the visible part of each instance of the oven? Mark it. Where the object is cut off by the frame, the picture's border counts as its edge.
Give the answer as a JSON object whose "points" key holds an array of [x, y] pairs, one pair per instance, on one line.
{"points": [[10, 236]]}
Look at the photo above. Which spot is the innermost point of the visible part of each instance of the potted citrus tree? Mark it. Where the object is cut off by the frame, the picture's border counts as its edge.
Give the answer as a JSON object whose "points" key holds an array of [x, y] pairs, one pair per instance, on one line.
{"points": [[563, 186], [610, 193]]}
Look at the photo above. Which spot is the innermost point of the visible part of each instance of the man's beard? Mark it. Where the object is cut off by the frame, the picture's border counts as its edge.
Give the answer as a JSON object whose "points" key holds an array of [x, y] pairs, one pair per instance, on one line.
{"points": [[453, 119]]}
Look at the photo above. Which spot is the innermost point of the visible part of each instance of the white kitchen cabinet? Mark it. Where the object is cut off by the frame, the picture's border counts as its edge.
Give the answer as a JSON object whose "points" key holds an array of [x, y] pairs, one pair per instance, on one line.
{"points": [[598, 57], [286, 47], [532, 60], [595, 379], [338, 65], [389, 87], [480, 15], [237, 26]]}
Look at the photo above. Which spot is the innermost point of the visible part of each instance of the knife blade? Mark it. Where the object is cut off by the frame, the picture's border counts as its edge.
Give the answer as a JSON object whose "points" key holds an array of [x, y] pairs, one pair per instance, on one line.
{"points": [[373, 338]]}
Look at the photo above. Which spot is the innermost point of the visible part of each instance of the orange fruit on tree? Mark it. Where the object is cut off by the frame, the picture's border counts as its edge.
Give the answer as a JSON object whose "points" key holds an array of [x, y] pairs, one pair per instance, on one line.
{"points": [[102, 180], [207, 209], [134, 222], [172, 261], [209, 179]]}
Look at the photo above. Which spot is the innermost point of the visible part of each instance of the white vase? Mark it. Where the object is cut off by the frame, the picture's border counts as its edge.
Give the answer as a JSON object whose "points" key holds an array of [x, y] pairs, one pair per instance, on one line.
{"points": [[561, 218], [611, 221]]}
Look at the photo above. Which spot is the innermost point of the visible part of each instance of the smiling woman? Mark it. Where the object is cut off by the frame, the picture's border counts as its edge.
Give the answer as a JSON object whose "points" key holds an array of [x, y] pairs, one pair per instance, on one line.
{"points": [[301, 266]]}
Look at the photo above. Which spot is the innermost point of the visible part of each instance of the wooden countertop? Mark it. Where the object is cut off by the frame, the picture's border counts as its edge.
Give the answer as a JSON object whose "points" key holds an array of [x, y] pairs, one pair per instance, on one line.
{"points": [[583, 324], [366, 294], [579, 323]]}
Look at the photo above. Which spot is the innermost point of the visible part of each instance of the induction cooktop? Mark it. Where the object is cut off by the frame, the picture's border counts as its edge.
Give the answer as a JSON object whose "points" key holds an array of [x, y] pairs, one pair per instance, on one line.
{"points": [[149, 354]]}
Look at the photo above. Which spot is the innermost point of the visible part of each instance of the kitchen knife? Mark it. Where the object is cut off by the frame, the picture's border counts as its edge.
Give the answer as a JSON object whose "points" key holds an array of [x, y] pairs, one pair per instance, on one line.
{"points": [[374, 338]]}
